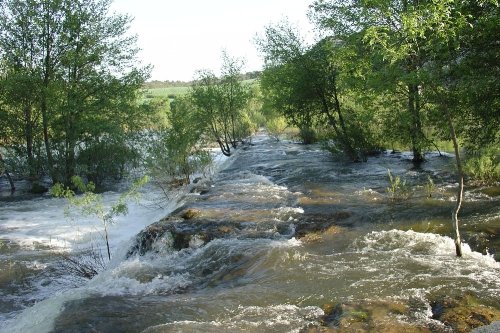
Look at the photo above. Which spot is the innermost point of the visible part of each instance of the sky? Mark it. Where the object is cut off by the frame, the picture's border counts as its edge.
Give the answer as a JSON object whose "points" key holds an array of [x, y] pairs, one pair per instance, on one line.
{"points": [[179, 37]]}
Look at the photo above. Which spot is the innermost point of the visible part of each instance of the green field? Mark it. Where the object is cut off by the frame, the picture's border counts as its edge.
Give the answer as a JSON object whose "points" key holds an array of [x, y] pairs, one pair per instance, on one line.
{"points": [[173, 91], [166, 91]]}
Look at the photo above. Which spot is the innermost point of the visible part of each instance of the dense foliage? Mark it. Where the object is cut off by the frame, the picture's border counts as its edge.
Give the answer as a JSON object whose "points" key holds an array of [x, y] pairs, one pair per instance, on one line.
{"points": [[69, 85], [385, 74], [221, 104], [392, 73], [221, 110], [176, 150]]}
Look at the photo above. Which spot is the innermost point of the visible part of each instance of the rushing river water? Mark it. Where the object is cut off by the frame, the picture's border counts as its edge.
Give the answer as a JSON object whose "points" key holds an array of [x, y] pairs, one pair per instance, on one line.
{"points": [[280, 233]]}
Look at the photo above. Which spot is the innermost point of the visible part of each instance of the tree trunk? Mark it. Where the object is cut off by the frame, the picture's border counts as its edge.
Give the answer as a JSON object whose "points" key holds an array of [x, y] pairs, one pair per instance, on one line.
{"points": [[69, 147], [460, 191], [348, 145], [48, 151], [28, 133], [107, 241], [224, 148], [416, 124], [70, 162], [342, 135], [11, 182], [233, 141], [47, 70]]}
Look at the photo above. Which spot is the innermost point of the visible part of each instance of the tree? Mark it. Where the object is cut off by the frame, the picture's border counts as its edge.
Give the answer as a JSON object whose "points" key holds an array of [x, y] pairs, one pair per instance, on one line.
{"points": [[390, 28], [283, 81], [479, 56], [220, 103], [206, 98], [309, 85], [3, 169], [80, 79], [454, 32], [444, 54], [20, 82], [234, 94], [176, 151]]}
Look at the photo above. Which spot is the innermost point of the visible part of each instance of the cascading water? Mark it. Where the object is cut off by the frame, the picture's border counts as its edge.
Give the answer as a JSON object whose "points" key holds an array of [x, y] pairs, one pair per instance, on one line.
{"points": [[282, 233]]}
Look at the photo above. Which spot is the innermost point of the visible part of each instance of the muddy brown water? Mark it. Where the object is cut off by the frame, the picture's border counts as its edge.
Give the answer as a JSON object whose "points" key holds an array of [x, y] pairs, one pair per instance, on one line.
{"points": [[356, 246]]}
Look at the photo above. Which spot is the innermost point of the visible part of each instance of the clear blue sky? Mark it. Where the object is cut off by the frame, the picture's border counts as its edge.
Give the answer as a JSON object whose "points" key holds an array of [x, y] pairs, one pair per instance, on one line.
{"points": [[180, 36]]}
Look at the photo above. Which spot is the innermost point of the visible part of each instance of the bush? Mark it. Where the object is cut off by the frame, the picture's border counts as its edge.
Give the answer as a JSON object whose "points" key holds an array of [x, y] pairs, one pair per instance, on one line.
{"points": [[307, 135], [276, 126], [245, 127], [175, 153], [105, 159], [484, 166], [398, 190]]}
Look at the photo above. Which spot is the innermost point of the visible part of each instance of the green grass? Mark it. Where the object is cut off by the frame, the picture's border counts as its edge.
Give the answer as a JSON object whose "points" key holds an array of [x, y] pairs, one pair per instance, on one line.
{"points": [[170, 91], [167, 91]]}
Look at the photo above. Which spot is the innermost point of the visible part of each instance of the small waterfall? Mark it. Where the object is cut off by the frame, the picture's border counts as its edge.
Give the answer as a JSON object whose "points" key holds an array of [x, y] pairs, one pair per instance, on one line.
{"points": [[285, 239]]}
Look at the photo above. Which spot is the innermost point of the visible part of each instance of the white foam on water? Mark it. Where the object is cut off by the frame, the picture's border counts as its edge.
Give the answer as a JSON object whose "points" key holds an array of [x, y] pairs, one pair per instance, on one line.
{"points": [[151, 274], [272, 318], [413, 259], [40, 317], [118, 281], [292, 242], [32, 223], [123, 285], [417, 243], [473, 196], [289, 210]]}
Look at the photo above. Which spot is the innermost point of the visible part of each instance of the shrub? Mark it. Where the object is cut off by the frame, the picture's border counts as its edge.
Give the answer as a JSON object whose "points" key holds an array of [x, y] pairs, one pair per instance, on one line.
{"points": [[429, 187], [398, 190], [484, 166], [175, 153], [104, 159], [91, 204], [276, 126], [307, 135]]}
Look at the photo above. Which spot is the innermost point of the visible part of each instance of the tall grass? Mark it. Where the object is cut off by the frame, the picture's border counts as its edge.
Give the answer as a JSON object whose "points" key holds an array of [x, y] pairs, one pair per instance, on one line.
{"points": [[398, 189]]}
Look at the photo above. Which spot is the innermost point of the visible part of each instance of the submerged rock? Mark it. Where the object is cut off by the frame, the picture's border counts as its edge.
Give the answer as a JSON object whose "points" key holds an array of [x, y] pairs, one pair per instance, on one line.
{"points": [[184, 230], [484, 237], [493, 191], [366, 316], [464, 314], [312, 226], [494, 327], [190, 213], [318, 236]]}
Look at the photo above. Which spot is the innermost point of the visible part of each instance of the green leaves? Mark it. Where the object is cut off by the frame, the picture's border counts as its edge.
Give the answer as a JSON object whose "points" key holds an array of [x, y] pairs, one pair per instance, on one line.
{"points": [[176, 152], [220, 103], [76, 79], [92, 204], [398, 189]]}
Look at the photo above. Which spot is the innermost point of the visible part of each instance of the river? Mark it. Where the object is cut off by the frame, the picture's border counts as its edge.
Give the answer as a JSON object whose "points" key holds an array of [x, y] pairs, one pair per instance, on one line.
{"points": [[283, 239]]}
